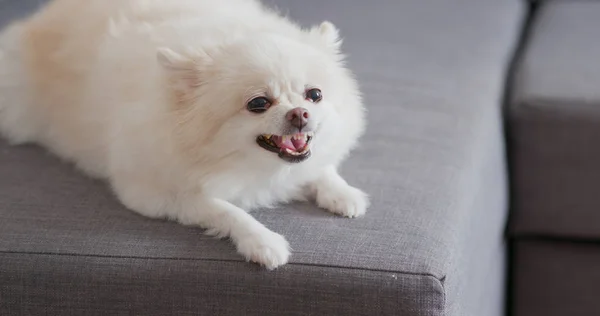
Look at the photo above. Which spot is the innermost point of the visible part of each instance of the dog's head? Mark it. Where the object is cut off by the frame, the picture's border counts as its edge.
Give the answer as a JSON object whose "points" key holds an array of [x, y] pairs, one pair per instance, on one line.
{"points": [[283, 100]]}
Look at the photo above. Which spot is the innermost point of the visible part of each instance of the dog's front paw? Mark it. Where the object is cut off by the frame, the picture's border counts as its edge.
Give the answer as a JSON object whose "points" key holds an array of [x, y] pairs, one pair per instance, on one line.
{"points": [[343, 199], [265, 248]]}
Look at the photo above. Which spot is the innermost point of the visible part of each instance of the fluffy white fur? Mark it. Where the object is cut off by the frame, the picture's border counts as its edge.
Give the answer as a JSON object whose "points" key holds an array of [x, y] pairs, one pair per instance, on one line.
{"points": [[151, 96]]}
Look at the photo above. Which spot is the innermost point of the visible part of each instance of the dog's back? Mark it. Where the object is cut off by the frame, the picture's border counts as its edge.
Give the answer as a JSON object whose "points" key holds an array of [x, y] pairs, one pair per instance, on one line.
{"points": [[49, 62], [43, 73]]}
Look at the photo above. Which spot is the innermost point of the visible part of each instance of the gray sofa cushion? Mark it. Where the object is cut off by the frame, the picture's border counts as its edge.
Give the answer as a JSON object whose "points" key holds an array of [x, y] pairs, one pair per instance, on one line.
{"points": [[432, 160], [553, 278], [555, 124]]}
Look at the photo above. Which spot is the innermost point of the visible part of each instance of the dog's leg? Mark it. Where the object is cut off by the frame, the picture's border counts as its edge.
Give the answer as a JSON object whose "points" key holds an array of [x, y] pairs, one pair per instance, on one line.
{"points": [[253, 240], [220, 218], [333, 193]]}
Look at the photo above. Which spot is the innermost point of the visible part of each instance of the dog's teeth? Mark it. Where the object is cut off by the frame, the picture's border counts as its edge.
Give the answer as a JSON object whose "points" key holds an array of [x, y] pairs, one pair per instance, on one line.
{"points": [[293, 153], [268, 136]]}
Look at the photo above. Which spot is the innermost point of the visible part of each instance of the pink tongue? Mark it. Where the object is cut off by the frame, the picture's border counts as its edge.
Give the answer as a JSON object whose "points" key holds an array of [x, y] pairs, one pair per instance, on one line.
{"points": [[289, 143]]}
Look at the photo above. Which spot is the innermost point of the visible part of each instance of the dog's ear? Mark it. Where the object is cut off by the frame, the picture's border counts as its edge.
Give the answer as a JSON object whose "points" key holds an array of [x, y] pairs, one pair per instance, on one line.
{"points": [[171, 59], [185, 70], [329, 36], [188, 65]]}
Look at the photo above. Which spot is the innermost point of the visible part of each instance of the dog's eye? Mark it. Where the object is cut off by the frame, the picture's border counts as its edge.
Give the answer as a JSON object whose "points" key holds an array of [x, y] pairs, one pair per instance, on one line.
{"points": [[258, 105], [314, 95]]}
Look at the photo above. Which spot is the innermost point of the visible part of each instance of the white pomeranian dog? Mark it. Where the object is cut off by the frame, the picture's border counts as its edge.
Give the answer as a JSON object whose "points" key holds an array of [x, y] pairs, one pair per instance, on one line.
{"points": [[192, 110]]}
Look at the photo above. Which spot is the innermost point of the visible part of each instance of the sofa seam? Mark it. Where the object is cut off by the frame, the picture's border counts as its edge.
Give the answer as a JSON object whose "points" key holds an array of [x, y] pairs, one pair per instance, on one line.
{"points": [[40, 253], [553, 238]]}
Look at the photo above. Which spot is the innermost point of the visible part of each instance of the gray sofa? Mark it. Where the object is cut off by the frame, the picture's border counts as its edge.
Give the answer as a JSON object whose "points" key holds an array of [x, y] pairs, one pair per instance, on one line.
{"points": [[554, 137], [478, 109]]}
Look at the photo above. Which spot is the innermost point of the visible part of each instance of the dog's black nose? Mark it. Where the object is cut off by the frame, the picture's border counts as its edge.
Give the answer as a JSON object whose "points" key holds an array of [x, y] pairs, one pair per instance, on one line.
{"points": [[298, 117]]}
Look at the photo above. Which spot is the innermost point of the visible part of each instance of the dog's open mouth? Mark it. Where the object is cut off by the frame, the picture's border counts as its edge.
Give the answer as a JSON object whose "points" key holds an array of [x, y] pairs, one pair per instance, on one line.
{"points": [[291, 148]]}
